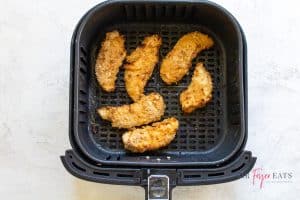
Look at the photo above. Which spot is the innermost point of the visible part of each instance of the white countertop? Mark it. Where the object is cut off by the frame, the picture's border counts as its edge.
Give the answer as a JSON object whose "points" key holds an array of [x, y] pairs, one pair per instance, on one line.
{"points": [[35, 39]]}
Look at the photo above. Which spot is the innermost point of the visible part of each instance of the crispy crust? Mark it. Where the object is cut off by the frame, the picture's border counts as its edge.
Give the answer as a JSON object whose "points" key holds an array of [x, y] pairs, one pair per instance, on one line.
{"points": [[109, 60], [140, 65], [178, 61], [199, 92], [149, 138], [148, 109]]}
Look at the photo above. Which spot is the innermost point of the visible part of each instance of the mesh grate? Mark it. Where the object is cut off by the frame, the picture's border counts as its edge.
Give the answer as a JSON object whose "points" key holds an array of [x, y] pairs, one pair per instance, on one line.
{"points": [[200, 130]]}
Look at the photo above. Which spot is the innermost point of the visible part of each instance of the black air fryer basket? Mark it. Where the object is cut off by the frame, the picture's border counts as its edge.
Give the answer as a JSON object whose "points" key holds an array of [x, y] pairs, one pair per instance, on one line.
{"points": [[209, 146]]}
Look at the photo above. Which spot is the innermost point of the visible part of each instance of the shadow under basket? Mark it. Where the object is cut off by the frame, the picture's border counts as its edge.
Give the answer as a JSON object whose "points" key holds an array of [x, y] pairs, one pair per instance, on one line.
{"points": [[208, 139]]}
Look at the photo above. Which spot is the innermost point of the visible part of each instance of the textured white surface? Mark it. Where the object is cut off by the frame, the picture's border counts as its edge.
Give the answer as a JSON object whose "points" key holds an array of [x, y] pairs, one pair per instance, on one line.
{"points": [[35, 38]]}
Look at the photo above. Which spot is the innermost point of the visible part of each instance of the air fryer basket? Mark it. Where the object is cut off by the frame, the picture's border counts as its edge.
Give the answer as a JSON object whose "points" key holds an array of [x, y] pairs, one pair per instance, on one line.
{"points": [[208, 136], [209, 147]]}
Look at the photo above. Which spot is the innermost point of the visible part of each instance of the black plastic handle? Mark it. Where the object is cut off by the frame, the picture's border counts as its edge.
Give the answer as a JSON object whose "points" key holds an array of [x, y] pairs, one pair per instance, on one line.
{"points": [[236, 168]]}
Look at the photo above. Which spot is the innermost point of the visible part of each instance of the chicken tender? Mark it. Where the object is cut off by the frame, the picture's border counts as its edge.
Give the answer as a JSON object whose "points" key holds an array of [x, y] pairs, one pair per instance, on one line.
{"points": [[140, 65], [199, 92], [152, 137], [109, 60], [178, 61], [149, 108]]}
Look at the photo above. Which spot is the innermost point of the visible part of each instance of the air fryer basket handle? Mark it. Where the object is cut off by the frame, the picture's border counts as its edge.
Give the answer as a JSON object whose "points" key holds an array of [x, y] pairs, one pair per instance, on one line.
{"points": [[158, 188], [160, 179], [170, 194]]}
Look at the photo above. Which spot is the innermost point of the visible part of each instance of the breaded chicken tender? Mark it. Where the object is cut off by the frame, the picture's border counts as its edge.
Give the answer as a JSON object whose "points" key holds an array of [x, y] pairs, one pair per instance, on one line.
{"points": [[140, 65], [152, 137], [199, 92], [149, 108], [178, 61], [109, 60]]}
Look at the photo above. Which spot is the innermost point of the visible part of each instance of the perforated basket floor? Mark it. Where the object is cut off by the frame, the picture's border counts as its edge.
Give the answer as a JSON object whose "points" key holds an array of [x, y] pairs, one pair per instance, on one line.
{"points": [[200, 130]]}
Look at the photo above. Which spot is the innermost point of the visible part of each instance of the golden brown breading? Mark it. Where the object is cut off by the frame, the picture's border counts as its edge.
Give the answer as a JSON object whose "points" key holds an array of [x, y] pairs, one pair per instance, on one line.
{"points": [[199, 92], [140, 65], [152, 137], [178, 61], [149, 108], [109, 60]]}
